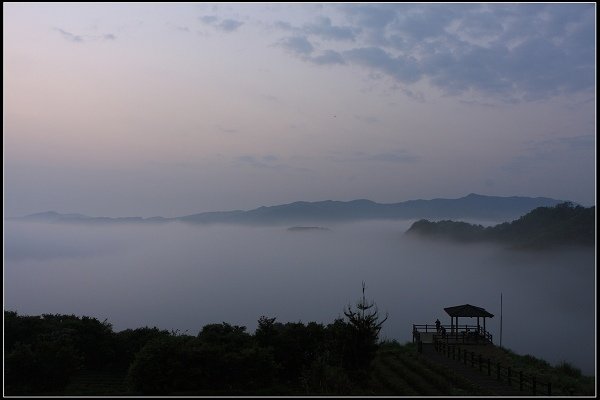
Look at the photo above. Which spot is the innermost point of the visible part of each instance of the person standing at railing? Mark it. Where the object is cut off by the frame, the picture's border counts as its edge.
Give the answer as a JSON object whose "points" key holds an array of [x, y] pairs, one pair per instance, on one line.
{"points": [[437, 325]]}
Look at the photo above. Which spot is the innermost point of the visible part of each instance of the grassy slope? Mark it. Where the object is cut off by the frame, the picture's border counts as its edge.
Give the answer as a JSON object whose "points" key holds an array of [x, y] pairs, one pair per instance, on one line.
{"points": [[564, 378], [398, 370]]}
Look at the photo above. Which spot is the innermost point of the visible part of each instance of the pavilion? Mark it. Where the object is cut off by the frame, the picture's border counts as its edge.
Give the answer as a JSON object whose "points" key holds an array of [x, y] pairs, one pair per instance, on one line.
{"points": [[467, 310], [465, 333]]}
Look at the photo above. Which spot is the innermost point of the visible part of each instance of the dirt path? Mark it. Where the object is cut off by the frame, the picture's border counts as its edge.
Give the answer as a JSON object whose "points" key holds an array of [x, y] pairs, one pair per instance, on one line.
{"points": [[481, 379]]}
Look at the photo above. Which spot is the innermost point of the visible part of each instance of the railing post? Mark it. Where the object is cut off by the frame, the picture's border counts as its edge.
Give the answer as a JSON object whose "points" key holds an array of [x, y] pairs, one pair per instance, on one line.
{"points": [[533, 384], [489, 367], [498, 370], [520, 380]]}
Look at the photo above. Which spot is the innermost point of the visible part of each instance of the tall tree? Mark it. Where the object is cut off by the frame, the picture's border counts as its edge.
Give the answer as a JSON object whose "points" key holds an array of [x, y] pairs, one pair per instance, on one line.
{"points": [[366, 326]]}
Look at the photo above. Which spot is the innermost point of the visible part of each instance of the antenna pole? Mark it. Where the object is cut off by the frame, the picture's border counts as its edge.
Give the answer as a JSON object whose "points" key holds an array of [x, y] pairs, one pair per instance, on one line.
{"points": [[500, 319]]}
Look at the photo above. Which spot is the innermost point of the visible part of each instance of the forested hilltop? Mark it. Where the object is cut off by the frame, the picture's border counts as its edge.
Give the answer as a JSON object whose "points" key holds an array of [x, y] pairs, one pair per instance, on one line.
{"points": [[66, 355], [45, 355], [565, 224]]}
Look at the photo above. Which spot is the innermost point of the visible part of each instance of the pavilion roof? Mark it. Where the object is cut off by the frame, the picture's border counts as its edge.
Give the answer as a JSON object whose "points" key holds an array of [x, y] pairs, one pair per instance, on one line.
{"points": [[467, 310]]}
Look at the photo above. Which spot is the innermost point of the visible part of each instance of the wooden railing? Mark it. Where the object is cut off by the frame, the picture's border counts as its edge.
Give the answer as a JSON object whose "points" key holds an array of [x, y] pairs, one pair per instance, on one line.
{"points": [[454, 333], [525, 382]]}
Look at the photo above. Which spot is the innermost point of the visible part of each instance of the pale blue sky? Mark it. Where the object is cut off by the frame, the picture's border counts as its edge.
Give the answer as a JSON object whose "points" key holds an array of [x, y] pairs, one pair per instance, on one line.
{"points": [[172, 109]]}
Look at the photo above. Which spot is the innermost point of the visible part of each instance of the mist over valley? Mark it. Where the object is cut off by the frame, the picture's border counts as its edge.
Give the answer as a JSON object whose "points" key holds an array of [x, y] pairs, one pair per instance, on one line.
{"points": [[179, 276]]}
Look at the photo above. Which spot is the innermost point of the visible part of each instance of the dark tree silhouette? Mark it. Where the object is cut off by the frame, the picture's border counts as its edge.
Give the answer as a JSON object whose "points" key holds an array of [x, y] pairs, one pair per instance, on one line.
{"points": [[365, 325], [364, 320]]}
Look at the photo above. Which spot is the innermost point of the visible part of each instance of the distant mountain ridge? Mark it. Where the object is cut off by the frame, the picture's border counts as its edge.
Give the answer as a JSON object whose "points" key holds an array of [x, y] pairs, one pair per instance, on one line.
{"points": [[472, 206], [53, 216]]}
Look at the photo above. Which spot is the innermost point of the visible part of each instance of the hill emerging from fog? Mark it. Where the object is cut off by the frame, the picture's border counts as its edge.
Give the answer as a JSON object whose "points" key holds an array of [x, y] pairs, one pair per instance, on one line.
{"points": [[544, 227], [473, 206]]}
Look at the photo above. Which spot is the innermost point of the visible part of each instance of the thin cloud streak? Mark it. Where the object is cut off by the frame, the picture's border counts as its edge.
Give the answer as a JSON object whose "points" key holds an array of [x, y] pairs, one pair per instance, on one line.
{"points": [[226, 25], [71, 37]]}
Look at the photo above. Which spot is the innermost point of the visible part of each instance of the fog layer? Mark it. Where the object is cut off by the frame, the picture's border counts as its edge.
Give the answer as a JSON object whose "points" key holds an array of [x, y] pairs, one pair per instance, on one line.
{"points": [[182, 277]]}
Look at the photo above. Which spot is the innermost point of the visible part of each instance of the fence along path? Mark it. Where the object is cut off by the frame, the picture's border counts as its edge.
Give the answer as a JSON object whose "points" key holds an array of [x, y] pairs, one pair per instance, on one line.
{"points": [[491, 383]]}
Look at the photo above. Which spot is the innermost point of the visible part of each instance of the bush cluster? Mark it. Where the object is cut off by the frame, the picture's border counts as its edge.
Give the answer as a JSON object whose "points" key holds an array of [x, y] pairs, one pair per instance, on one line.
{"points": [[42, 353]]}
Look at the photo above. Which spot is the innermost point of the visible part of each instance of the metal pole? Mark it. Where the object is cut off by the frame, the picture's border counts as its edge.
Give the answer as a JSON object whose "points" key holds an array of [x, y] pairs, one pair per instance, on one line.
{"points": [[500, 319]]}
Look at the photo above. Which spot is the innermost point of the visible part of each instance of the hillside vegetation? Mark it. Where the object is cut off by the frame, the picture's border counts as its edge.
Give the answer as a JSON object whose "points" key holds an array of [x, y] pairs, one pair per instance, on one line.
{"points": [[545, 227], [65, 355]]}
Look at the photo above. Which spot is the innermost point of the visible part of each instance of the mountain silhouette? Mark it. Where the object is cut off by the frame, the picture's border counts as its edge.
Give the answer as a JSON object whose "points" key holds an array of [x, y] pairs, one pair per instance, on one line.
{"points": [[472, 206]]}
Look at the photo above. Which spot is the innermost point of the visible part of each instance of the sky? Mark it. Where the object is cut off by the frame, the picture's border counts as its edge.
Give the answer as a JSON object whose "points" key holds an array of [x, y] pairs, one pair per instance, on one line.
{"points": [[145, 109]]}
